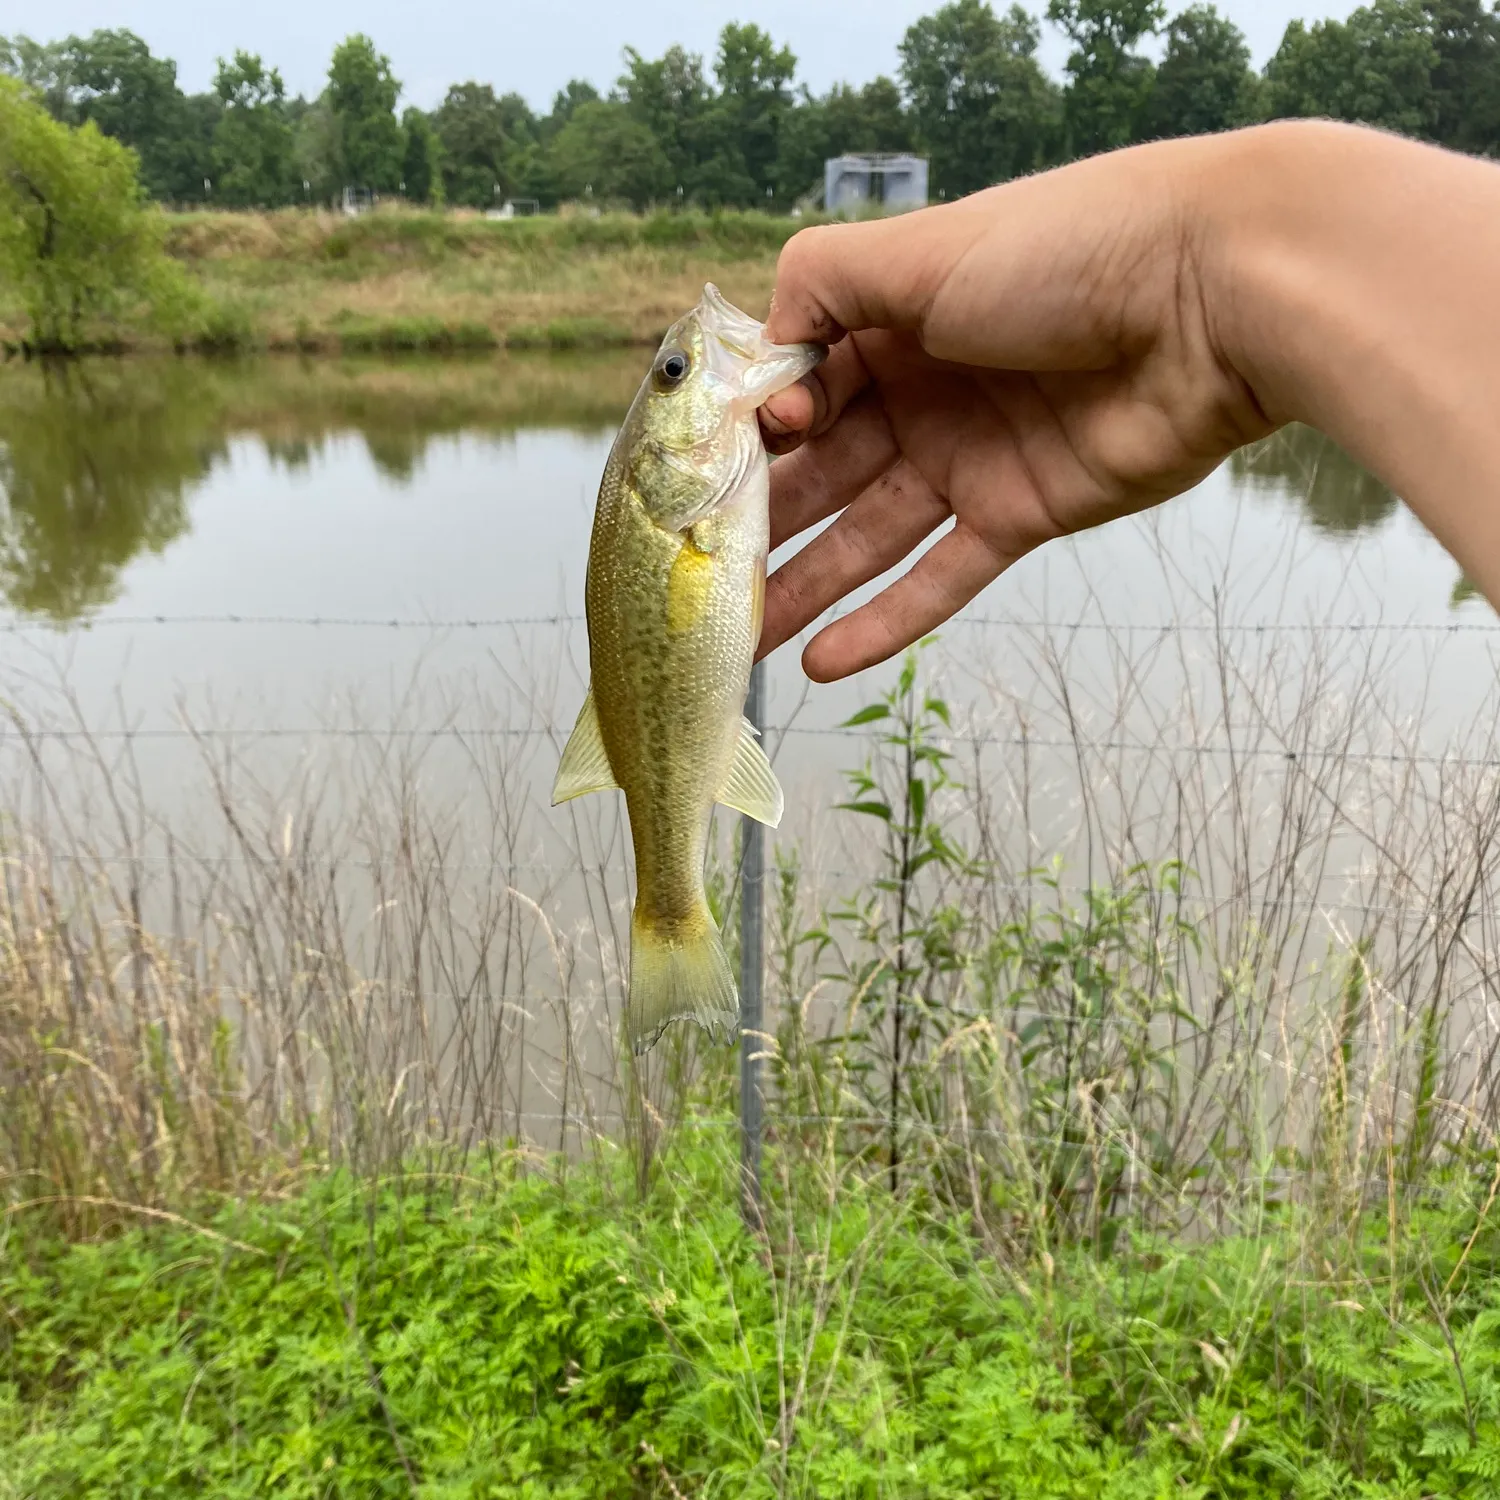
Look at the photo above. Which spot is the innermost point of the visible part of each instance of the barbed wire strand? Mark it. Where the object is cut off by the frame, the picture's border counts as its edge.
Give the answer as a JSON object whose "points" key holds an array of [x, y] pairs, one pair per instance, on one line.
{"points": [[954, 1135], [1000, 1012]]}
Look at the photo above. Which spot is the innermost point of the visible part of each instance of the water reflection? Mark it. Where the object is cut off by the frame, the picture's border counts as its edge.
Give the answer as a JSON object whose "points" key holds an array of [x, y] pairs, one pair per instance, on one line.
{"points": [[98, 461], [95, 468], [1337, 496]]}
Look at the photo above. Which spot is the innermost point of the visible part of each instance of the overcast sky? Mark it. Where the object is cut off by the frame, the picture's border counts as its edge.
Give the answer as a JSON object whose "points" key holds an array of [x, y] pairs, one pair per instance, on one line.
{"points": [[534, 47]]}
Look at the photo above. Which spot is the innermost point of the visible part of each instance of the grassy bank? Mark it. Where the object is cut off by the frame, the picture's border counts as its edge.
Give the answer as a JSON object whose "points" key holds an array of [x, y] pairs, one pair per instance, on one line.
{"points": [[400, 279], [530, 1333]]}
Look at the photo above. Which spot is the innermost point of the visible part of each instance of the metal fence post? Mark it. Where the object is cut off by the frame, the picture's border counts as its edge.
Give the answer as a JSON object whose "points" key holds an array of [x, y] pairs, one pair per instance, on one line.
{"points": [[752, 1006]]}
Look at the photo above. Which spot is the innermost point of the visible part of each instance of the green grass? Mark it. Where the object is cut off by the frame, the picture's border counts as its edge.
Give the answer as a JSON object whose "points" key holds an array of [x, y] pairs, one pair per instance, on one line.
{"points": [[514, 1337], [412, 336], [398, 234], [570, 333]]}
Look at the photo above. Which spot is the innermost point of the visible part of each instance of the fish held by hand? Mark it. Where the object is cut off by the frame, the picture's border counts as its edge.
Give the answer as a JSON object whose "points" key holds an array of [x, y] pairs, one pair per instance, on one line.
{"points": [[675, 595]]}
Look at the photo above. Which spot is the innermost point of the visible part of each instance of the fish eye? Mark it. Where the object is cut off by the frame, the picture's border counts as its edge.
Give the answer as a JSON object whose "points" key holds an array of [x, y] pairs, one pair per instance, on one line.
{"points": [[671, 370]]}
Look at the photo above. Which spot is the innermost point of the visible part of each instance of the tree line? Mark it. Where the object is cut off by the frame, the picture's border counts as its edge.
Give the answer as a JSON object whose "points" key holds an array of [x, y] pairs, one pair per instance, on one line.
{"points": [[968, 92]]}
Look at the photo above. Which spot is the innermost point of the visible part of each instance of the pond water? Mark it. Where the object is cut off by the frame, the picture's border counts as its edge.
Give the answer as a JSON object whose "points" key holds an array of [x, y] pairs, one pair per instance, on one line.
{"points": [[294, 553], [288, 493], [296, 616]]}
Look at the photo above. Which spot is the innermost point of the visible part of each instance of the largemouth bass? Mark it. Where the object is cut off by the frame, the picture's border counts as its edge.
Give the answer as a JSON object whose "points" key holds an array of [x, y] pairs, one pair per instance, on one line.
{"points": [[676, 589]]}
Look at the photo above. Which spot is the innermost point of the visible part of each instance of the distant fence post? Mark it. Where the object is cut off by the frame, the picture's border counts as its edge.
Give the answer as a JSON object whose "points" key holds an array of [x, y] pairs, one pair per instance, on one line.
{"points": [[752, 1004]]}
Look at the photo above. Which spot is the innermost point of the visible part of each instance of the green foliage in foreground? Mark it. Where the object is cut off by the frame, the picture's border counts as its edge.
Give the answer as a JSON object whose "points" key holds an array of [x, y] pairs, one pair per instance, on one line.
{"points": [[529, 1339]]}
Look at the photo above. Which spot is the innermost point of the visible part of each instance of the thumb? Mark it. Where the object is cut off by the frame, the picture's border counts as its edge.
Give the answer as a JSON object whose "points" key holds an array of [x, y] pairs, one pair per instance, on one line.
{"points": [[1032, 275], [837, 278]]}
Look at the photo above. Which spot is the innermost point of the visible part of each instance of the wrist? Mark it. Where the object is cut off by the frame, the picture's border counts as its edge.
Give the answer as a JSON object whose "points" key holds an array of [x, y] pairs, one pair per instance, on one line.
{"points": [[1273, 208], [1349, 275]]}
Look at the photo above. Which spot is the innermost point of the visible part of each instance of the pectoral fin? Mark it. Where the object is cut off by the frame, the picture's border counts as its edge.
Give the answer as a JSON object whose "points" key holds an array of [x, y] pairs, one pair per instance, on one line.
{"points": [[752, 787], [584, 767]]}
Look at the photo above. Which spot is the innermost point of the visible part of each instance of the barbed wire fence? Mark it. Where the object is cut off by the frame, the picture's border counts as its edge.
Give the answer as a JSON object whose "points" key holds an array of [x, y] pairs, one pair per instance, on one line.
{"points": [[751, 872]]}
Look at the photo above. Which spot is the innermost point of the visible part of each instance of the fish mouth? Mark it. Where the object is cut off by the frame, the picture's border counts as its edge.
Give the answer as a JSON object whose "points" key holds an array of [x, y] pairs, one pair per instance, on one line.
{"points": [[743, 357], [737, 331]]}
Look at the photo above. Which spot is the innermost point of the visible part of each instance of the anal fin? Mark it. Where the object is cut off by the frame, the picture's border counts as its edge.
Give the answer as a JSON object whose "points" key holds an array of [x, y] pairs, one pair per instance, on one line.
{"points": [[752, 787], [584, 767]]}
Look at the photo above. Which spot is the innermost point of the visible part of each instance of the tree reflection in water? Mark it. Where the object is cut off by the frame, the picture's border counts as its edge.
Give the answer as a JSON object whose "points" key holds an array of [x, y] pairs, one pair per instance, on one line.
{"points": [[99, 459], [95, 467], [1337, 496]]}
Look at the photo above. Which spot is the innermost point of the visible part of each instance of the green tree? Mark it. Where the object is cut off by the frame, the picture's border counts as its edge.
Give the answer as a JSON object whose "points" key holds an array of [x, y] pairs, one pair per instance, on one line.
{"points": [[870, 119], [46, 67], [1466, 80], [362, 93], [980, 102], [76, 240], [254, 162], [567, 100], [470, 123], [200, 119], [1375, 68], [317, 148], [1109, 82], [422, 159], [522, 150], [743, 124], [131, 95], [1204, 82], [605, 153], [670, 98]]}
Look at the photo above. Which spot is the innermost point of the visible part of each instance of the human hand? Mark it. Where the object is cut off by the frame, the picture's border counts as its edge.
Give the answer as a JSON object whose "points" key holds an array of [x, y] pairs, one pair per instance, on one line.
{"points": [[1028, 362]]}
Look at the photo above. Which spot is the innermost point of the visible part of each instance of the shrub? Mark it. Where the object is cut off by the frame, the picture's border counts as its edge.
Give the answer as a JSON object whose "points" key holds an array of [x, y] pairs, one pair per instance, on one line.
{"points": [[77, 239], [532, 1335]]}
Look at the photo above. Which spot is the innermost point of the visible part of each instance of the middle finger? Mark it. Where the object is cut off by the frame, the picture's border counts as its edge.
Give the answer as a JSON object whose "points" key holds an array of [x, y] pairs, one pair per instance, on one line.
{"points": [[893, 515]]}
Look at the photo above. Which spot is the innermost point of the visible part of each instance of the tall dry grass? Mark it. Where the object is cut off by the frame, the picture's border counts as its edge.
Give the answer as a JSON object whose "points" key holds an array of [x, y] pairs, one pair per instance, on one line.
{"points": [[402, 278], [1214, 932]]}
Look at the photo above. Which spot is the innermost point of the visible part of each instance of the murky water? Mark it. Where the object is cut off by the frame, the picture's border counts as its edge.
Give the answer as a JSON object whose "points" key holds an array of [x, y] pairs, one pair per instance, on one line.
{"points": [[291, 492], [289, 553]]}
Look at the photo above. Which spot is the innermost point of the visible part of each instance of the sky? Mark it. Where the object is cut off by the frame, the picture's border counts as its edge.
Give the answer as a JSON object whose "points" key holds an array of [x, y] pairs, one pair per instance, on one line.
{"points": [[534, 48]]}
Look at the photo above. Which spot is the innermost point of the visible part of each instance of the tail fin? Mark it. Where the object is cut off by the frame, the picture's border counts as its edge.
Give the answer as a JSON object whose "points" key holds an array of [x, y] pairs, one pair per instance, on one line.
{"points": [[679, 976]]}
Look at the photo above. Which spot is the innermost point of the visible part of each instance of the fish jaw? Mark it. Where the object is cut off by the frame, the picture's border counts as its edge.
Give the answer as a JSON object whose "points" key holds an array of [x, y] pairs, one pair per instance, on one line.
{"points": [[751, 367]]}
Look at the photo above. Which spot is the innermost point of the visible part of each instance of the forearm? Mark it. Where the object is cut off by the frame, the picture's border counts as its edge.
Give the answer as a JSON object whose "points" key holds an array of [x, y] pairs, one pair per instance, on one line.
{"points": [[1354, 279]]}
